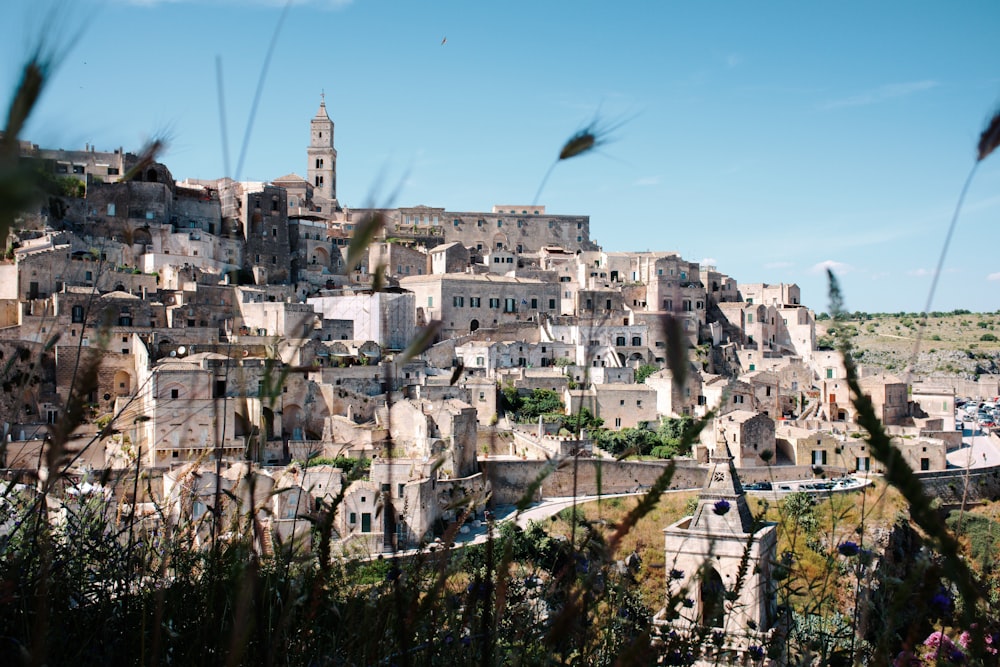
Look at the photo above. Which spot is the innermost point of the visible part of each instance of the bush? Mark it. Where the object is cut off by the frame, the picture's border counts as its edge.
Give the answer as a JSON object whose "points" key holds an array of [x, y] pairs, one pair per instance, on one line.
{"points": [[988, 338]]}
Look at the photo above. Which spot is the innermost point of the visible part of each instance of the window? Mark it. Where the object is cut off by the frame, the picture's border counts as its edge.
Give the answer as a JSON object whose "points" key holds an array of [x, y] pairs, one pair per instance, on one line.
{"points": [[474, 302], [352, 518], [430, 302], [494, 303], [552, 304], [77, 314], [618, 422], [620, 341], [636, 341], [510, 305], [668, 304], [480, 361], [534, 303], [175, 393], [863, 464], [499, 223], [829, 373], [366, 522], [749, 318], [89, 275], [458, 301], [738, 399], [819, 457]]}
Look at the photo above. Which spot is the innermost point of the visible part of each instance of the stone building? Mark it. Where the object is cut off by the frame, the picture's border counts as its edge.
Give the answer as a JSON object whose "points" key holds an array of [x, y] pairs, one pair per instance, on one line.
{"points": [[746, 434], [86, 165], [264, 214], [705, 557], [397, 260], [387, 318], [519, 229], [675, 401], [449, 258], [465, 303]]}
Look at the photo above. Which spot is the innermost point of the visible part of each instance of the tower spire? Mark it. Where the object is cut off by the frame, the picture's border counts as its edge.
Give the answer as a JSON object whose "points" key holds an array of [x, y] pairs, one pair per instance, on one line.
{"points": [[722, 504]]}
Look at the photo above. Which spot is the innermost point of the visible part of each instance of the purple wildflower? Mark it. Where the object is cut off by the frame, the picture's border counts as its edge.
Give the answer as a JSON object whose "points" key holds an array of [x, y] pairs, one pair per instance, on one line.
{"points": [[688, 602], [956, 656], [849, 548], [676, 574], [756, 653], [942, 603], [721, 507]]}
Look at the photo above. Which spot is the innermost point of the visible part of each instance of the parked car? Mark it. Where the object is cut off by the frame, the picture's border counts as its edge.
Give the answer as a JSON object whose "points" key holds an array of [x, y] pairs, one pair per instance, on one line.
{"points": [[758, 486]]}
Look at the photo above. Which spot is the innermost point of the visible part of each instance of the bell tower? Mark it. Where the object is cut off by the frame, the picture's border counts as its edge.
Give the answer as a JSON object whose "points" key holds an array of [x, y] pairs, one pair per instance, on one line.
{"points": [[322, 170], [721, 562]]}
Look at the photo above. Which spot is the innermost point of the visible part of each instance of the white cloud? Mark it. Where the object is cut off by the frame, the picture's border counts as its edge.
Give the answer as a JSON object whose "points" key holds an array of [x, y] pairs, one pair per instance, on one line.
{"points": [[647, 181], [708, 261], [994, 276], [831, 265], [920, 273], [881, 94]]}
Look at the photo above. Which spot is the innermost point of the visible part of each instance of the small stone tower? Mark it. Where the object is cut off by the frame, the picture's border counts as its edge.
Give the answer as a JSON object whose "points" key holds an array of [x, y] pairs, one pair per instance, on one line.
{"points": [[720, 562], [322, 171]]}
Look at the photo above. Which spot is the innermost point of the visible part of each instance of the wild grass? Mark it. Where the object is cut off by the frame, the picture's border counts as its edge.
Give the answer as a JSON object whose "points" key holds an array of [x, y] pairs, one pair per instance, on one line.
{"points": [[88, 578]]}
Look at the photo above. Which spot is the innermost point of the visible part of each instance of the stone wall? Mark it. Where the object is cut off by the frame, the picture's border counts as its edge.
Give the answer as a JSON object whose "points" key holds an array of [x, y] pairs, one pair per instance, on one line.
{"points": [[510, 479]]}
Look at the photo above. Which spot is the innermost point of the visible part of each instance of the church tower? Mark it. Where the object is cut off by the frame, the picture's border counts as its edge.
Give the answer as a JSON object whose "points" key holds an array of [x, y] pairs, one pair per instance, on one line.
{"points": [[720, 562], [322, 171]]}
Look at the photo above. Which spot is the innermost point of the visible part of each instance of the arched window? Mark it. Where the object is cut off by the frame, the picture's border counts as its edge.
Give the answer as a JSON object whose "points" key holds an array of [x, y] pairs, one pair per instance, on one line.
{"points": [[713, 597]]}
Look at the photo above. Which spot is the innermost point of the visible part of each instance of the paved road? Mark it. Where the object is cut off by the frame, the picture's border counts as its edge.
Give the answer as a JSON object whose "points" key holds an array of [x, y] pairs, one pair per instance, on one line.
{"points": [[977, 451]]}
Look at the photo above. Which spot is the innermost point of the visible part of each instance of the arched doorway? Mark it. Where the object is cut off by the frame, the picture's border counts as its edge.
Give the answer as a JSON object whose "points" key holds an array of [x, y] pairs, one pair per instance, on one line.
{"points": [[123, 383], [291, 422], [713, 597], [473, 325], [320, 256], [267, 414]]}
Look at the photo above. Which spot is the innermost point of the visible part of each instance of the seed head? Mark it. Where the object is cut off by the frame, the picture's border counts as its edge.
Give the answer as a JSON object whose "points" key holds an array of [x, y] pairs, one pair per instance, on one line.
{"points": [[990, 138]]}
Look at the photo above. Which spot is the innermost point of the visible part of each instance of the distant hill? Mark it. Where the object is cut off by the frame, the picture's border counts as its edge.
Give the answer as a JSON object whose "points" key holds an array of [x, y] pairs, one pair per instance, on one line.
{"points": [[961, 344]]}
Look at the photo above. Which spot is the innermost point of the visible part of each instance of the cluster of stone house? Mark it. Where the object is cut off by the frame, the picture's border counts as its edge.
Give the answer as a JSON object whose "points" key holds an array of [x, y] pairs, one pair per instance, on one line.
{"points": [[226, 324]]}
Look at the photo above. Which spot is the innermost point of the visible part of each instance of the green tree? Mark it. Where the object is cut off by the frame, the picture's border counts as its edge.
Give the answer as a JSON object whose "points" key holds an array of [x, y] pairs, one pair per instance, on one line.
{"points": [[583, 420], [644, 372], [540, 402]]}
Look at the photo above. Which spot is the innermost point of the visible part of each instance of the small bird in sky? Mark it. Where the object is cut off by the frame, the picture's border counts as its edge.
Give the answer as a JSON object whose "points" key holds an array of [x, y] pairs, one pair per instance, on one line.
{"points": [[443, 41]]}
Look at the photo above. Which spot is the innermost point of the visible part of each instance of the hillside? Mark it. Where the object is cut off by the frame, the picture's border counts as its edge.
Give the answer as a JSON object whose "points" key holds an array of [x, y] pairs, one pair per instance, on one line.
{"points": [[958, 344]]}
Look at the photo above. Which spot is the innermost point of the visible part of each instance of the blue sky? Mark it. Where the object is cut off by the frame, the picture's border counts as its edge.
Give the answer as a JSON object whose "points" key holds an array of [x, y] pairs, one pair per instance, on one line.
{"points": [[772, 138]]}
